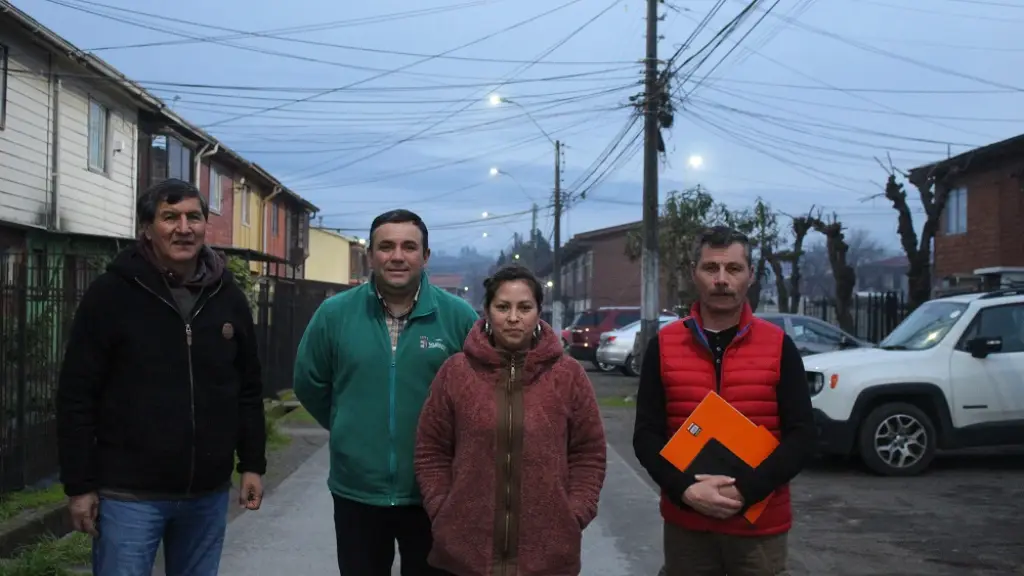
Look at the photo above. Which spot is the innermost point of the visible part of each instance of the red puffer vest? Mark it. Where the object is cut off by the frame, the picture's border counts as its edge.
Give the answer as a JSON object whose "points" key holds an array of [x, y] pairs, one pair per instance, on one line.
{"points": [[750, 372]]}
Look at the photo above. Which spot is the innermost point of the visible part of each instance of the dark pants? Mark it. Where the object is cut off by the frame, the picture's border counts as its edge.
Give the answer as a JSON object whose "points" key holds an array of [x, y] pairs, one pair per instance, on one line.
{"points": [[689, 553], [367, 535], [130, 534]]}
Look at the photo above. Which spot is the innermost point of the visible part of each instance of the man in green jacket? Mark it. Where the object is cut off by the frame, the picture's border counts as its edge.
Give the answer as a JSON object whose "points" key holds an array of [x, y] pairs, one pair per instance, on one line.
{"points": [[363, 370]]}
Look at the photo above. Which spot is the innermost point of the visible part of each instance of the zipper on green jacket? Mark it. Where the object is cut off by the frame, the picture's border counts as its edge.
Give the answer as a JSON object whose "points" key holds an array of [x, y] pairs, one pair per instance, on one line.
{"points": [[392, 372]]}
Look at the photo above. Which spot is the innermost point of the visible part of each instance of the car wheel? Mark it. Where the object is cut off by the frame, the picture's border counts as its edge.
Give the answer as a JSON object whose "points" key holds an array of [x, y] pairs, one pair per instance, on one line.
{"points": [[631, 367], [603, 367], [897, 439]]}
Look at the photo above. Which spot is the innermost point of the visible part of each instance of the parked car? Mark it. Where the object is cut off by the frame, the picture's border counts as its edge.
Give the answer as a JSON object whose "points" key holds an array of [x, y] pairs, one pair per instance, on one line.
{"points": [[813, 336], [948, 377], [588, 325], [615, 348]]}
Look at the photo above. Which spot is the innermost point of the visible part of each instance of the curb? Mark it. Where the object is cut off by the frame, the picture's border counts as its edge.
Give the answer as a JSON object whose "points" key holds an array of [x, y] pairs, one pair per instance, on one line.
{"points": [[32, 526]]}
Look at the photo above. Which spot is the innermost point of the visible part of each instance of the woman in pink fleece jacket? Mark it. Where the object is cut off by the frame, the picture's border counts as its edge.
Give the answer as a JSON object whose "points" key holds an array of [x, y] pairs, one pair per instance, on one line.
{"points": [[510, 455]]}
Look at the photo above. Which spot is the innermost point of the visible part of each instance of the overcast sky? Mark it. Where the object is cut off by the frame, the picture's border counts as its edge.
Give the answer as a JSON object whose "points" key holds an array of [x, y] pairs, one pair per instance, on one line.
{"points": [[795, 114]]}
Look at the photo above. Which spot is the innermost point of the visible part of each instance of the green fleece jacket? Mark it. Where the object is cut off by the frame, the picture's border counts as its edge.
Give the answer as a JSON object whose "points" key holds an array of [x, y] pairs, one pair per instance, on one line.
{"points": [[368, 396]]}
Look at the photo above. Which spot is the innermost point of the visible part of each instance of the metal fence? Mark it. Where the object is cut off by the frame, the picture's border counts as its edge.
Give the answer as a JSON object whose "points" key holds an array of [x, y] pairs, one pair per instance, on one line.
{"points": [[39, 293], [283, 309], [874, 315]]}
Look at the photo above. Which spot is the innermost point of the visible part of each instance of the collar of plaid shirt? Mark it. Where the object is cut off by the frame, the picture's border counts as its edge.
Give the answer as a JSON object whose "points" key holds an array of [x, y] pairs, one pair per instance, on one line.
{"points": [[387, 308]]}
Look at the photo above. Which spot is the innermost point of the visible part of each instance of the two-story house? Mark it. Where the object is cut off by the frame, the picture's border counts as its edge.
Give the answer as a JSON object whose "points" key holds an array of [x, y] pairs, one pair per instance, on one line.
{"points": [[68, 146], [979, 239], [597, 272]]}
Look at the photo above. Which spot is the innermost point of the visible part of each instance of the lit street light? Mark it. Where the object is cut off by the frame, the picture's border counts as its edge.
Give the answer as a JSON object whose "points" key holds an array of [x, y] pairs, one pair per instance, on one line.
{"points": [[550, 283], [485, 214], [495, 171], [695, 161], [516, 256]]}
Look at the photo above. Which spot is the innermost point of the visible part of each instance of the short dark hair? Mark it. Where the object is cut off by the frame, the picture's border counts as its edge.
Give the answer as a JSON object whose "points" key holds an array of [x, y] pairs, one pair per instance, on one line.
{"points": [[719, 237], [512, 273], [170, 191], [398, 217]]}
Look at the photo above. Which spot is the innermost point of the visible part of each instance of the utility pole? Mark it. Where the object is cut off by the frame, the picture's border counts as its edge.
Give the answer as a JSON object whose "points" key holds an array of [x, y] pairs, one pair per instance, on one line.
{"points": [[649, 258], [556, 256], [533, 238]]}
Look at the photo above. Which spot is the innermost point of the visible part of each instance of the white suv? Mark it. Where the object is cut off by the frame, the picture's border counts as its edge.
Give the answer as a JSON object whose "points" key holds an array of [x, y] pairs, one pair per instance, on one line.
{"points": [[951, 375]]}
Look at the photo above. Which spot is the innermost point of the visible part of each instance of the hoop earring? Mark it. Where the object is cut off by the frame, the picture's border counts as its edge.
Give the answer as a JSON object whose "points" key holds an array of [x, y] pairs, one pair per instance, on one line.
{"points": [[536, 332], [487, 327]]}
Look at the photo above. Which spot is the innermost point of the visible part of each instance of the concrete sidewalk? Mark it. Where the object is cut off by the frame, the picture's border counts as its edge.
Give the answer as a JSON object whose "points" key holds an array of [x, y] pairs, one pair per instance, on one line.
{"points": [[294, 532]]}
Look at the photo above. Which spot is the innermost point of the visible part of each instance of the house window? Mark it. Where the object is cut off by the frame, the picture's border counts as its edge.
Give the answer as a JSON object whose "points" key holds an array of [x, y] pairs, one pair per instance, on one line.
{"points": [[3, 86], [273, 219], [216, 191], [169, 158], [245, 205], [956, 211], [99, 122]]}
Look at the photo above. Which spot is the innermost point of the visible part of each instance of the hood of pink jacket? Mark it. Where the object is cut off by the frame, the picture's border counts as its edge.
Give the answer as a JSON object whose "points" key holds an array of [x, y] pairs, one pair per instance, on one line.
{"points": [[545, 351]]}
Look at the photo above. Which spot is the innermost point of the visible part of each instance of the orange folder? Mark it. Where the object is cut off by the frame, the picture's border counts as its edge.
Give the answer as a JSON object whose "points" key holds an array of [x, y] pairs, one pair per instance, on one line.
{"points": [[718, 439]]}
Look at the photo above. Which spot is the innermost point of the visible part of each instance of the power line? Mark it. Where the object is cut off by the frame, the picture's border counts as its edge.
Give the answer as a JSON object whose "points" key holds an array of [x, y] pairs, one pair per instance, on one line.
{"points": [[907, 59], [280, 36], [403, 67], [469, 101]]}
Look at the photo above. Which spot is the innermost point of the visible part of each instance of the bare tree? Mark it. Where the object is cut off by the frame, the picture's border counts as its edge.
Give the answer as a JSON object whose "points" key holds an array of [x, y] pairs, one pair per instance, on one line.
{"points": [[789, 291], [761, 226], [844, 274], [918, 250]]}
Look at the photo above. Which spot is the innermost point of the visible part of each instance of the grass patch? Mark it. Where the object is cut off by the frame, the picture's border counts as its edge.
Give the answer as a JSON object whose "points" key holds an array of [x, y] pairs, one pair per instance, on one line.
{"points": [[298, 416], [17, 502], [276, 440], [51, 557], [616, 402]]}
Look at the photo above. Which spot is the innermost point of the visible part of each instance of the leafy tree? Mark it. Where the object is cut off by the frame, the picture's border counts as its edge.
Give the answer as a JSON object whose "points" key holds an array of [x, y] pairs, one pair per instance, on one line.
{"points": [[761, 226], [683, 216]]}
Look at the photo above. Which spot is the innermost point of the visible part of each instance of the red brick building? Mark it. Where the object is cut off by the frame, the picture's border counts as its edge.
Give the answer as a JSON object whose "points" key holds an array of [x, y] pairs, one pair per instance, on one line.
{"points": [[597, 272], [219, 178], [979, 235]]}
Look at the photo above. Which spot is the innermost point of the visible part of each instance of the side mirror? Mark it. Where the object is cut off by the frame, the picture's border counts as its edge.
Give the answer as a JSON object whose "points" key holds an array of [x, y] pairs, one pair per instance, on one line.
{"points": [[845, 342], [982, 347]]}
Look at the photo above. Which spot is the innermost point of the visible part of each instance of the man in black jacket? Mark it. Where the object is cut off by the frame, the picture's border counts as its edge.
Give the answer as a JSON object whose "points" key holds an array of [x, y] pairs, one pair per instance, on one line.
{"points": [[159, 390]]}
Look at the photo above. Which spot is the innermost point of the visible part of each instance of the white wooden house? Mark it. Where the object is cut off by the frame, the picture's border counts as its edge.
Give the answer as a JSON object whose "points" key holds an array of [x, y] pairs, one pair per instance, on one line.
{"points": [[69, 134]]}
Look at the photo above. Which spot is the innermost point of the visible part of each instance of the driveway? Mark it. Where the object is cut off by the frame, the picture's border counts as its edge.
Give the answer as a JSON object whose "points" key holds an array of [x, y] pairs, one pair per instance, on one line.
{"points": [[964, 517]]}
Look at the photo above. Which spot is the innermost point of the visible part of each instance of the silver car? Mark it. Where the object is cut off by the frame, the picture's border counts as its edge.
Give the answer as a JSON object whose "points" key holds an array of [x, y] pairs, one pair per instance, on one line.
{"points": [[813, 336], [615, 348]]}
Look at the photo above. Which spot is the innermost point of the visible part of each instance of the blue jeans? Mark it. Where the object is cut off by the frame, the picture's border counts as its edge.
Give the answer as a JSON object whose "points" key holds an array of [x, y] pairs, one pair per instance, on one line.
{"points": [[130, 533]]}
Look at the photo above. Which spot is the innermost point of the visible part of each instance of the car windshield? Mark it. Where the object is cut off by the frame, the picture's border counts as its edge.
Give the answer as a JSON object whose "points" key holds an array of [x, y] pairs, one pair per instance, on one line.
{"points": [[926, 327]]}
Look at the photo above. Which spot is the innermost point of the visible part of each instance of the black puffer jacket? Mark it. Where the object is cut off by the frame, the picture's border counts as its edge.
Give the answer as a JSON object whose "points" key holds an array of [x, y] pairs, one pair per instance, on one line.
{"points": [[152, 402]]}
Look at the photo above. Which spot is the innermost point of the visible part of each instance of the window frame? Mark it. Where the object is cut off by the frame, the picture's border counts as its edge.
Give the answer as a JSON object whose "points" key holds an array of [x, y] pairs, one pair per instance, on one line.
{"points": [[104, 168], [5, 55], [818, 328], [216, 189], [973, 329], [954, 218], [244, 210]]}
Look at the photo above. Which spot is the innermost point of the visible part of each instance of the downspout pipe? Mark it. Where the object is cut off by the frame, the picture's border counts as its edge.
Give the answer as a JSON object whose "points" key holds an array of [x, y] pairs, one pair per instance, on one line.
{"points": [[205, 152], [55, 82], [263, 217]]}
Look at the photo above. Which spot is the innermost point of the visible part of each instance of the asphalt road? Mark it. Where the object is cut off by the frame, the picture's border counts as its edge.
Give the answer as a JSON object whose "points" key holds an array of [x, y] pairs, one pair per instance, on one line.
{"points": [[963, 517]]}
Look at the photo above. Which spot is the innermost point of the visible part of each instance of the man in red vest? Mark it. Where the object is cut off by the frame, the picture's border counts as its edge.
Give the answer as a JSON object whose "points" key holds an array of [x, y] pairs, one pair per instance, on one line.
{"points": [[757, 368]]}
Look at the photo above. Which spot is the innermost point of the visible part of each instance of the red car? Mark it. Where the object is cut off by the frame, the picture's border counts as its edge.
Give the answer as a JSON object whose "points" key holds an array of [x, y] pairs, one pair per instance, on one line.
{"points": [[586, 329]]}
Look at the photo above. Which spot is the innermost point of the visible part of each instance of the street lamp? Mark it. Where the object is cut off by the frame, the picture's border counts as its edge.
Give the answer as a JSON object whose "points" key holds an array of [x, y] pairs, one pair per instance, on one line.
{"points": [[695, 161]]}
